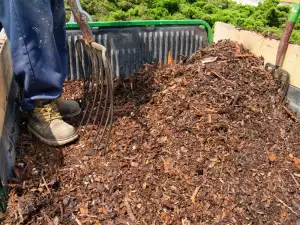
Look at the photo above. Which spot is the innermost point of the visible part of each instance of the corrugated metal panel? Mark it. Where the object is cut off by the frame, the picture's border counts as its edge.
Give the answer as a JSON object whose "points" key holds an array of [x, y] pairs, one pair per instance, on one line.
{"points": [[131, 47]]}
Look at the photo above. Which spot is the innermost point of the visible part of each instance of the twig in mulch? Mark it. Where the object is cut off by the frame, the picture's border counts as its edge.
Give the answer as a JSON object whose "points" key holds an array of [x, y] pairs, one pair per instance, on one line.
{"points": [[193, 198], [283, 203], [266, 73], [185, 222], [76, 219], [238, 51], [289, 113], [122, 221], [61, 211], [183, 58], [87, 215], [237, 48], [129, 210], [245, 55], [235, 100], [49, 221], [221, 77], [295, 179], [20, 214], [209, 118], [45, 183]]}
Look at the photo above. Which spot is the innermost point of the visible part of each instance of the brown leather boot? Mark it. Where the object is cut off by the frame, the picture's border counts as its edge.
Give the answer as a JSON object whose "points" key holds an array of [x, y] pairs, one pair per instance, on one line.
{"points": [[46, 124], [68, 108]]}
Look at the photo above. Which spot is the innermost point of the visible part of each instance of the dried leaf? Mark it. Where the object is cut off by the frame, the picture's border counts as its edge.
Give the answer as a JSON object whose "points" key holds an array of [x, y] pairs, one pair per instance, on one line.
{"points": [[170, 60], [56, 220], [209, 118], [172, 88], [128, 209], [296, 162], [165, 217], [209, 60], [178, 79], [102, 210], [211, 165], [168, 165], [134, 164], [162, 140], [272, 156], [187, 179], [283, 214], [169, 132], [85, 221], [186, 222], [144, 185], [84, 210]]}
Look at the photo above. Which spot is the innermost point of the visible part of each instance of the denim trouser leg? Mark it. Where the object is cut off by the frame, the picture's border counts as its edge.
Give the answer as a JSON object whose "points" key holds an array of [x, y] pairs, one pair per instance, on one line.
{"points": [[36, 31]]}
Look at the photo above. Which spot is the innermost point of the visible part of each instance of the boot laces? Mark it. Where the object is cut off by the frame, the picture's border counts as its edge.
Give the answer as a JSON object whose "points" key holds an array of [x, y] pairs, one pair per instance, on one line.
{"points": [[48, 112]]}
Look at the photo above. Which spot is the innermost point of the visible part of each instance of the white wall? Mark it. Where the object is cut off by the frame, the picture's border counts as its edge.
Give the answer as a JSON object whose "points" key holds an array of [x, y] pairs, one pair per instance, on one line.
{"points": [[255, 2], [248, 2]]}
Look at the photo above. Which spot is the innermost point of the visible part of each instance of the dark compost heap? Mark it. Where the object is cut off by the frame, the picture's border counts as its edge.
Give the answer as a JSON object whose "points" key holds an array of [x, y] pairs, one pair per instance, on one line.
{"points": [[204, 141]]}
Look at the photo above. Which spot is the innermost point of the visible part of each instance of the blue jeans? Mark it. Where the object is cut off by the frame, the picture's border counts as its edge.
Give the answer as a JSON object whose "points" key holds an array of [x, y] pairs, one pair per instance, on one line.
{"points": [[37, 34]]}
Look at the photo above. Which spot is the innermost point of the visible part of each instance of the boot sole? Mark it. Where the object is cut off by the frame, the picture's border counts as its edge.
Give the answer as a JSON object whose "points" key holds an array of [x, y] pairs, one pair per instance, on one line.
{"points": [[52, 142]]}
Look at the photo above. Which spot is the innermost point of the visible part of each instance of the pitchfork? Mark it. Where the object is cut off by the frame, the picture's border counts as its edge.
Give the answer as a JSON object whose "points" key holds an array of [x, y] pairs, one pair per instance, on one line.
{"points": [[98, 80], [282, 76]]}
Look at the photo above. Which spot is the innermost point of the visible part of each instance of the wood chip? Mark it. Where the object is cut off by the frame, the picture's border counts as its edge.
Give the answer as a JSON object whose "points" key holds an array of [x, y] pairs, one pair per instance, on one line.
{"points": [[194, 195], [204, 132], [285, 205], [209, 60], [76, 219], [272, 156], [129, 210], [290, 113]]}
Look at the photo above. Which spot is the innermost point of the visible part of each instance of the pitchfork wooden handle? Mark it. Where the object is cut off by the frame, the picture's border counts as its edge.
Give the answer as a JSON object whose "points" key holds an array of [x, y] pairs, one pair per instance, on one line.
{"points": [[80, 19]]}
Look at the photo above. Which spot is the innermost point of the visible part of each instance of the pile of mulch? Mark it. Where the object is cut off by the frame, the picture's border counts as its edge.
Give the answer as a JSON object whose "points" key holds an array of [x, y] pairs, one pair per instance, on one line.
{"points": [[203, 141]]}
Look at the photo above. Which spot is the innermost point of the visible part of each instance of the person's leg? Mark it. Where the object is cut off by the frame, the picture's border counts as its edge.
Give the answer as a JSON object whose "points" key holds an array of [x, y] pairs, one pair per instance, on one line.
{"points": [[37, 65], [59, 32], [67, 108], [36, 61]]}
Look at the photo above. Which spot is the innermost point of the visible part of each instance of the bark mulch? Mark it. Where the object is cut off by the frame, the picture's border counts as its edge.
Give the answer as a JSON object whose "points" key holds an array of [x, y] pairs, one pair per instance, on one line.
{"points": [[204, 141]]}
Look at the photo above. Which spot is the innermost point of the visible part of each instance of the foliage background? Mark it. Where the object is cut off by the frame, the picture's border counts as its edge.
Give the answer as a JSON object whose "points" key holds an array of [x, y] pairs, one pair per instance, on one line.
{"points": [[267, 18]]}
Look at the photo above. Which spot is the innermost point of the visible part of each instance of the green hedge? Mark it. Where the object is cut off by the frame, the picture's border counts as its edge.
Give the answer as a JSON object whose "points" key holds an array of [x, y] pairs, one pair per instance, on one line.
{"points": [[267, 18]]}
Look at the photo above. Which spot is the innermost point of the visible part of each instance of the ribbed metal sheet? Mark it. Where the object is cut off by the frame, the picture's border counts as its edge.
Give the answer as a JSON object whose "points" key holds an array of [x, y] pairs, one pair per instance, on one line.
{"points": [[131, 47]]}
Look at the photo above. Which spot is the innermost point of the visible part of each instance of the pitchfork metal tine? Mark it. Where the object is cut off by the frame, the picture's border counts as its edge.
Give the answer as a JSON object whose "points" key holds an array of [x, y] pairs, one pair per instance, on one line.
{"points": [[98, 65], [79, 46], [97, 73], [93, 89], [101, 76], [282, 83], [109, 96]]}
